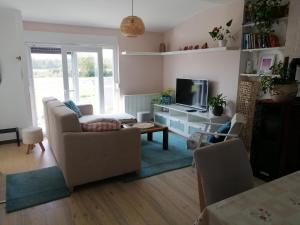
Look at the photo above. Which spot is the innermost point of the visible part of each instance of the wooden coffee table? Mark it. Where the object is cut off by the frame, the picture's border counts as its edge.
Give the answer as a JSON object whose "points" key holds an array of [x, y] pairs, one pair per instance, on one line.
{"points": [[156, 128]]}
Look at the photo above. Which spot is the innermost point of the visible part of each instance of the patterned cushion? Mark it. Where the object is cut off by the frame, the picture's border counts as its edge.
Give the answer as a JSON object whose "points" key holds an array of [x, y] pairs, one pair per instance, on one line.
{"points": [[71, 105], [103, 125]]}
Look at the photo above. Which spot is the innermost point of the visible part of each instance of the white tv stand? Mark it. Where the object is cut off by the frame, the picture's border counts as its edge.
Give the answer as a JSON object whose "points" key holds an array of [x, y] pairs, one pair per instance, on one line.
{"points": [[185, 123]]}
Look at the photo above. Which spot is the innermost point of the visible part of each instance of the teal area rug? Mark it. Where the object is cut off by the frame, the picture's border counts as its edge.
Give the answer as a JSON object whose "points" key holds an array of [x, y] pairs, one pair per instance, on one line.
{"points": [[155, 160], [32, 188]]}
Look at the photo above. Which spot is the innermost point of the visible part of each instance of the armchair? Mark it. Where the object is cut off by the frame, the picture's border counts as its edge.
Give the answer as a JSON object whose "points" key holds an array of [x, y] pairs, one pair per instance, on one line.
{"points": [[199, 139]]}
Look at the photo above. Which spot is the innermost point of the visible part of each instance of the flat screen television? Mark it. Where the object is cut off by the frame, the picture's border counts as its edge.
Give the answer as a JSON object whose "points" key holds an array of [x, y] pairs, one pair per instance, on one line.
{"points": [[192, 93]]}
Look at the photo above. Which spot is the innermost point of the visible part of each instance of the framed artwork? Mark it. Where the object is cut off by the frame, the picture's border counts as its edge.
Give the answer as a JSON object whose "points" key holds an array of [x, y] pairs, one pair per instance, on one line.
{"points": [[266, 62]]}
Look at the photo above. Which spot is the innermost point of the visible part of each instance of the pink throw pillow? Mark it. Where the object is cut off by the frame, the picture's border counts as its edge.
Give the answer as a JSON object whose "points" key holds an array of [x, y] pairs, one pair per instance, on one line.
{"points": [[103, 125]]}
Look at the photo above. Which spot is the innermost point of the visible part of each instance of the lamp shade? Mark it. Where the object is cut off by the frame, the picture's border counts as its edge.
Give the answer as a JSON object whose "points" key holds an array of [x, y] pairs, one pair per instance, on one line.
{"points": [[132, 26]]}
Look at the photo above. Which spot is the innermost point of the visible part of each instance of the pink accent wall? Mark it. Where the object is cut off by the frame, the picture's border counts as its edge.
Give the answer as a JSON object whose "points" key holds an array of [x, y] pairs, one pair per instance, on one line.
{"points": [[138, 74], [220, 68]]}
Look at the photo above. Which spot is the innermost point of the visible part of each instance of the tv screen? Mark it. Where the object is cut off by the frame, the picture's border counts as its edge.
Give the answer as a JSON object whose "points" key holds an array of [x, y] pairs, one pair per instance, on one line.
{"points": [[192, 93]]}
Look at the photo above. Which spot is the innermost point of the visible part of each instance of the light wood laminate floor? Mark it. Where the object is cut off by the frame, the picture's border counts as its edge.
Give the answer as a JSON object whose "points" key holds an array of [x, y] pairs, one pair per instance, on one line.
{"points": [[169, 198]]}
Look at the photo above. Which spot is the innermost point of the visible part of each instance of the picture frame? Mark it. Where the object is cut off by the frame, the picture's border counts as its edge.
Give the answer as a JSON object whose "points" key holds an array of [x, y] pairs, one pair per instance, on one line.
{"points": [[266, 62]]}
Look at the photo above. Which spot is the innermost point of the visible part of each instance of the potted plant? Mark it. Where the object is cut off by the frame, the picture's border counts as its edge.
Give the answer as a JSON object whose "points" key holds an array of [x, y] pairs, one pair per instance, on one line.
{"points": [[166, 96], [221, 34], [265, 16], [283, 86], [217, 103]]}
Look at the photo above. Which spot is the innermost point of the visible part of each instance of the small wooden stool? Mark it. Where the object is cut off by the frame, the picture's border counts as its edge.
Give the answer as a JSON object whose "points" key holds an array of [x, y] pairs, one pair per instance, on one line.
{"points": [[32, 136]]}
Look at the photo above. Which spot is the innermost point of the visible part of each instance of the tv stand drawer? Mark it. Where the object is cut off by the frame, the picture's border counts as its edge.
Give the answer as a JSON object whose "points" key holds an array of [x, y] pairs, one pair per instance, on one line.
{"points": [[176, 124], [160, 119]]}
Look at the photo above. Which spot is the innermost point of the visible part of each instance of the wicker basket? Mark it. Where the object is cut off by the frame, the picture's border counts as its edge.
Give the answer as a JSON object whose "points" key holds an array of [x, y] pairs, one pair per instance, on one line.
{"points": [[248, 91]]}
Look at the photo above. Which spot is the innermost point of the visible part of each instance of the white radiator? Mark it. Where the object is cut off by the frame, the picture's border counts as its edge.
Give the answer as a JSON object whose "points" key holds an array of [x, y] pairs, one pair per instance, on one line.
{"points": [[138, 103]]}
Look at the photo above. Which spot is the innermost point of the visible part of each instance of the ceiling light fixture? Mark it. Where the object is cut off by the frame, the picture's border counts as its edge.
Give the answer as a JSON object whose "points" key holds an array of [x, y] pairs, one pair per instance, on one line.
{"points": [[132, 26]]}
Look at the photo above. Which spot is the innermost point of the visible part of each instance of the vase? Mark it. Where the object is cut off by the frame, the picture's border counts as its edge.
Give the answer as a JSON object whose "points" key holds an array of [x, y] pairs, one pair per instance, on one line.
{"points": [[162, 47], [217, 110], [222, 43]]}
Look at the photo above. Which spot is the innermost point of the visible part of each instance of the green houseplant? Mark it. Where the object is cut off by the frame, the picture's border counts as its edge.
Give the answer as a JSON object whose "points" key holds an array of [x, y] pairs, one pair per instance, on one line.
{"points": [[282, 87], [265, 16], [217, 103], [166, 96]]}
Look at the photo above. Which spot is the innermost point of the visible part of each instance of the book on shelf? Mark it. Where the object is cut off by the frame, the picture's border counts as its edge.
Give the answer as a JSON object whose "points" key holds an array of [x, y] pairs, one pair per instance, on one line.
{"points": [[256, 40]]}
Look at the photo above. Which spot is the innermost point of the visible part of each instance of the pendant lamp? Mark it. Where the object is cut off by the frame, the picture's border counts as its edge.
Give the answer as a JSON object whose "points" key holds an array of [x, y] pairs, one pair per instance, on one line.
{"points": [[132, 26]]}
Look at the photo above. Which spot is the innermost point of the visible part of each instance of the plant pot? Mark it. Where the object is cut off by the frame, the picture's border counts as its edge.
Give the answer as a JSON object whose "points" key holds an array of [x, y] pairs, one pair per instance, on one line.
{"points": [[166, 100], [218, 110], [284, 92], [222, 43]]}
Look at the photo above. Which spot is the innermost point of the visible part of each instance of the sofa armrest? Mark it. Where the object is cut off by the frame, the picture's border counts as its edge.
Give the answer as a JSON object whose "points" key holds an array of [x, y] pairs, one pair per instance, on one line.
{"points": [[91, 156], [86, 109]]}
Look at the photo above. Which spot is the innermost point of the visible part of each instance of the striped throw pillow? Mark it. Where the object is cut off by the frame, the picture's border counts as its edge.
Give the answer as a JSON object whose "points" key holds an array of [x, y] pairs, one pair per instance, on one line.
{"points": [[103, 125]]}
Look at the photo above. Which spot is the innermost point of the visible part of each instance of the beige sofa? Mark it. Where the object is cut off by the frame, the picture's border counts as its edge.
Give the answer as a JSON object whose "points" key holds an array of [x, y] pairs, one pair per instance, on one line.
{"points": [[89, 156]]}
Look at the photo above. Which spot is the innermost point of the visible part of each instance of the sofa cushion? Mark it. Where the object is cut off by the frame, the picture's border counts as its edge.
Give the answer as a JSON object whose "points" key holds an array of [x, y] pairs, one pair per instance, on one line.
{"points": [[71, 105], [122, 117], [103, 125]]}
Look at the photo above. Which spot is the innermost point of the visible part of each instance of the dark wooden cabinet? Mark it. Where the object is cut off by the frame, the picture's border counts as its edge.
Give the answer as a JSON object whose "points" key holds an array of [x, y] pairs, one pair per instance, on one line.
{"points": [[275, 149]]}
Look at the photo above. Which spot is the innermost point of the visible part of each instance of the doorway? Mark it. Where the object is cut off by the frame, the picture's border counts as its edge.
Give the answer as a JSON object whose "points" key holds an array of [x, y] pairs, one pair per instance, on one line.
{"points": [[84, 75]]}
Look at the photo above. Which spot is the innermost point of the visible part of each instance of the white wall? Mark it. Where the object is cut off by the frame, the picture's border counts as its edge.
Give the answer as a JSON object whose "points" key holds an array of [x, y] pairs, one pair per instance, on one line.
{"points": [[14, 96]]}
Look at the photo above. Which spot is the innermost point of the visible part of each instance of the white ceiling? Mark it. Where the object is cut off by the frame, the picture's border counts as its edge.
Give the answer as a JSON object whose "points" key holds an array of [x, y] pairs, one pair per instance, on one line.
{"points": [[158, 15]]}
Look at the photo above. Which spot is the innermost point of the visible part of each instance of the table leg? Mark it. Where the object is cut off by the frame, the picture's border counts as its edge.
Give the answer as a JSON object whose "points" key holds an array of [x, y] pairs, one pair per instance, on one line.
{"points": [[166, 139], [28, 149], [42, 146], [18, 136], [150, 136]]}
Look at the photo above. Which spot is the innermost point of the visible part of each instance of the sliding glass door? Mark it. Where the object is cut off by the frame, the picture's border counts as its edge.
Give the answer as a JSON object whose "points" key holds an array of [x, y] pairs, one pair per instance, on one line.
{"points": [[84, 75]]}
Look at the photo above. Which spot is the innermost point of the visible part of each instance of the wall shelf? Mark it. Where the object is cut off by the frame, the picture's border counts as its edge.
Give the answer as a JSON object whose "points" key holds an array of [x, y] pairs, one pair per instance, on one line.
{"points": [[263, 49], [183, 52], [283, 19], [257, 75]]}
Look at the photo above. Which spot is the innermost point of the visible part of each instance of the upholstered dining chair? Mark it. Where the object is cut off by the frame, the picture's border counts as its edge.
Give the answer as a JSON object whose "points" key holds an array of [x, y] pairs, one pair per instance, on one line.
{"points": [[223, 170]]}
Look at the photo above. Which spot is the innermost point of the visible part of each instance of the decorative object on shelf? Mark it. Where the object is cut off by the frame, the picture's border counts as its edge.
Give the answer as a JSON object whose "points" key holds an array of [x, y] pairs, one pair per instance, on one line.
{"points": [[191, 47], [186, 48], [284, 87], [221, 34], [196, 47], [204, 46], [274, 41], [216, 104], [266, 63], [166, 96], [132, 26], [249, 67], [162, 47]]}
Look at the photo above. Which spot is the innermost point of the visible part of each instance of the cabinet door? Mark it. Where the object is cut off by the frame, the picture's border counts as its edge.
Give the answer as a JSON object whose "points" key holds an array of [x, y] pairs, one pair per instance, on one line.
{"points": [[268, 134], [177, 125]]}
